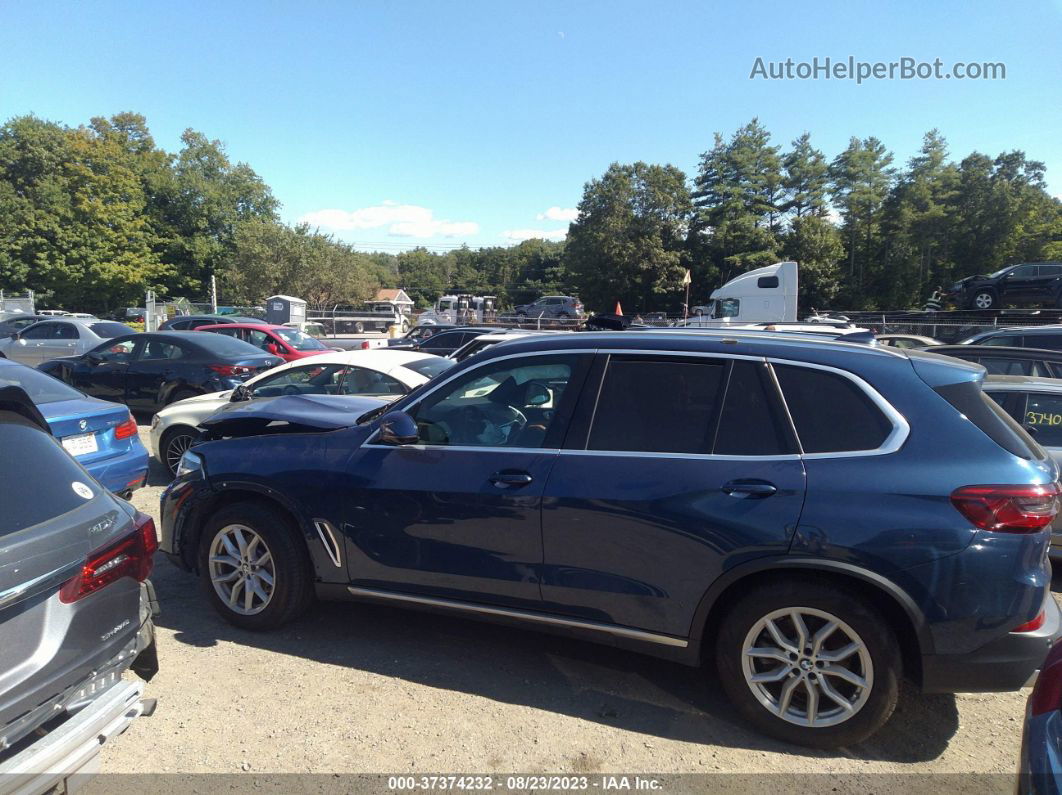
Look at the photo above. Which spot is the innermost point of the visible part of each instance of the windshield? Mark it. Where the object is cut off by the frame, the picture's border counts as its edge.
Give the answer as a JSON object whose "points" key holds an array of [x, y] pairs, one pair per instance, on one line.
{"points": [[110, 330], [430, 366], [1000, 272], [298, 340], [40, 387], [315, 330]]}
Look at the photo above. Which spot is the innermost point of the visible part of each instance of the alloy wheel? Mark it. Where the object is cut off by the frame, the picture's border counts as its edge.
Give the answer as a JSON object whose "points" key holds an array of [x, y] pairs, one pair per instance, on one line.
{"points": [[983, 301], [241, 569], [807, 667], [176, 448]]}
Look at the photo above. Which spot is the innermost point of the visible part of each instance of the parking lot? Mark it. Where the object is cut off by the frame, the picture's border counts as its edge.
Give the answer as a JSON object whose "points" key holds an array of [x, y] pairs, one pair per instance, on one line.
{"points": [[360, 688]]}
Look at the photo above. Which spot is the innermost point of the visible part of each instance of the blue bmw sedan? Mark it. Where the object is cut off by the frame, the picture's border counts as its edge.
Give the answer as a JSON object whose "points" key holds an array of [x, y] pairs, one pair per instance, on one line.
{"points": [[100, 435]]}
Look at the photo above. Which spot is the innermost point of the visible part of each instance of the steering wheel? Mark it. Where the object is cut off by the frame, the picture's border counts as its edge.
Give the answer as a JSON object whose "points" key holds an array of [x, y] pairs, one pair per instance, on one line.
{"points": [[490, 423], [290, 389]]}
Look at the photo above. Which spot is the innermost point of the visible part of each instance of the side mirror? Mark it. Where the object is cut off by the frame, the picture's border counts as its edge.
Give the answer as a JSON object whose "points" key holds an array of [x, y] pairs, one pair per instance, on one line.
{"points": [[398, 428], [14, 335], [93, 357], [273, 348], [241, 392]]}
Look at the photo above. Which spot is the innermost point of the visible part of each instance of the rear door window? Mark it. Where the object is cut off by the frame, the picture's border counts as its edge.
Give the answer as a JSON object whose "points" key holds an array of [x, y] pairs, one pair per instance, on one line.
{"points": [[751, 422], [831, 413], [657, 405]]}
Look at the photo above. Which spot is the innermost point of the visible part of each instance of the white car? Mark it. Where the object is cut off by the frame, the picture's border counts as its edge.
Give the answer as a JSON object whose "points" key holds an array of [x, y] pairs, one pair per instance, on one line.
{"points": [[379, 373]]}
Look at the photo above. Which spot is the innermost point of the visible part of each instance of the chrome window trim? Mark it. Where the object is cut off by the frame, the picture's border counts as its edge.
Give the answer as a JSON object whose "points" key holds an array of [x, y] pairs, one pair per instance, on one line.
{"points": [[522, 615], [892, 443], [901, 429]]}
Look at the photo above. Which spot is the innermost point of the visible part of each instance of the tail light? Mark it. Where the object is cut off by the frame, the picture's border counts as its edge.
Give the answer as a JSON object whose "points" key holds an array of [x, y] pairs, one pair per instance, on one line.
{"points": [[1008, 509], [129, 556], [1032, 626], [365, 345], [229, 370], [126, 429], [1047, 693]]}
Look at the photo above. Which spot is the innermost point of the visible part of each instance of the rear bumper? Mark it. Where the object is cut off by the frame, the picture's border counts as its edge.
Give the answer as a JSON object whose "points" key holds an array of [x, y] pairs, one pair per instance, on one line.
{"points": [[1007, 663], [72, 749], [123, 473]]}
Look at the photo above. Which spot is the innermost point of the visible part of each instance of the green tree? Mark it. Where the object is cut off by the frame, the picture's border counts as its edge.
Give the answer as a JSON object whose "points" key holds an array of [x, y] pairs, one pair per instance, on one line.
{"points": [[627, 244], [860, 180], [805, 179], [738, 194], [815, 243]]}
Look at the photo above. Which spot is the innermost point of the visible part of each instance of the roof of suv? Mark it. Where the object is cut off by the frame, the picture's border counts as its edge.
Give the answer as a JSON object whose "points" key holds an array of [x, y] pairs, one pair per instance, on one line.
{"points": [[749, 342]]}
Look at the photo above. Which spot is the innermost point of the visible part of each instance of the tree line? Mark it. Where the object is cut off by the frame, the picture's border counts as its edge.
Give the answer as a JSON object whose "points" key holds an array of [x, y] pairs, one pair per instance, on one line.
{"points": [[92, 216]]}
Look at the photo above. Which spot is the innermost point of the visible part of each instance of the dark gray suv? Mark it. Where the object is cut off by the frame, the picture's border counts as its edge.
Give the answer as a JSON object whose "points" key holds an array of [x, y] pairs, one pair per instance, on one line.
{"points": [[562, 307], [76, 607]]}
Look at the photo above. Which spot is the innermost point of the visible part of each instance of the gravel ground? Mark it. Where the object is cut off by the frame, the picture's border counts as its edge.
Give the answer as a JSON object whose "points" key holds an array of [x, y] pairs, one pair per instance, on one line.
{"points": [[368, 689]]}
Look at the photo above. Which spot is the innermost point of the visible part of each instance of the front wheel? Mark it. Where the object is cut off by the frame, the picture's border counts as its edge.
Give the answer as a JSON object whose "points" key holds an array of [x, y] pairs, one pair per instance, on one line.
{"points": [[173, 445], [983, 299], [810, 664], [255, 570]]}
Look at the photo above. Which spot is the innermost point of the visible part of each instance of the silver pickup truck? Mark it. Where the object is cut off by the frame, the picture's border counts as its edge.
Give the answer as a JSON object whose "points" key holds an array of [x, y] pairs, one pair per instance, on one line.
{"points": [[76, 607]]}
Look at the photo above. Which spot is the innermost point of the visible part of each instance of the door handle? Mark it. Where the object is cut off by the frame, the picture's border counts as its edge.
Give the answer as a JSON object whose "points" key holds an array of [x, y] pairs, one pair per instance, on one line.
{"points": [[510, 479], [749, 489]]}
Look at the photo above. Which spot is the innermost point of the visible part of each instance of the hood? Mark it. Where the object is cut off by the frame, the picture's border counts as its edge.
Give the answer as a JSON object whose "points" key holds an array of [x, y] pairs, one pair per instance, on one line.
{"points": [[289, 413]]}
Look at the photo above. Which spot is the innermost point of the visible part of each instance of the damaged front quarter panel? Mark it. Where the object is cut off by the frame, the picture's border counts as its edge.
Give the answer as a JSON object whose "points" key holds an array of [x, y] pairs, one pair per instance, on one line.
{"points": [[287, 414]]}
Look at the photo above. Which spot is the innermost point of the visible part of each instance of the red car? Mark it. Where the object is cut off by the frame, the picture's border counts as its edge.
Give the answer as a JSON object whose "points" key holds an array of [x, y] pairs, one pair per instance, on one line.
{"points": [[283, 341]]}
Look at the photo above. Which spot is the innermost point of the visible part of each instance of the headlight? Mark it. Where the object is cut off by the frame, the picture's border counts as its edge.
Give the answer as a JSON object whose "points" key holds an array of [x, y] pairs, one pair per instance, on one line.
{"points": [[190, 464]]}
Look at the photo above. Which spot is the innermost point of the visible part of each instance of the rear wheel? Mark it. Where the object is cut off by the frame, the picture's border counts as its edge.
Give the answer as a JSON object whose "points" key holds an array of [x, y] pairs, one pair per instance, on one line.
{"points": [[359, 328], [254, 569], [181, 394], [983, 299], [173, 445], [810, 664]]}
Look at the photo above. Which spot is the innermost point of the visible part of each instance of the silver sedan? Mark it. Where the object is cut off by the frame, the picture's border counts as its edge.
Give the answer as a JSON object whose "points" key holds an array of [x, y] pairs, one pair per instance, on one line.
{"points": [[59, 337]]}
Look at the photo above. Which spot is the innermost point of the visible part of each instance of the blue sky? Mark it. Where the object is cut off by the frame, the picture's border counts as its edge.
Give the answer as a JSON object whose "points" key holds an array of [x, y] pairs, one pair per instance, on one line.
{"points": [[442, 123]]}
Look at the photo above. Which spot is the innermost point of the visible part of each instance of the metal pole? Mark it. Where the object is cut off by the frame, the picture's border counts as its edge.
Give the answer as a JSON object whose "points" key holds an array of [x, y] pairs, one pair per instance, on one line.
{"points": [[213, 294]]}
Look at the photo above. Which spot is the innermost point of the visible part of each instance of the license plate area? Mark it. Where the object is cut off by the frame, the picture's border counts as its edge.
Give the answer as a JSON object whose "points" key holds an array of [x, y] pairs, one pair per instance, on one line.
{"points": [[82, 444]]}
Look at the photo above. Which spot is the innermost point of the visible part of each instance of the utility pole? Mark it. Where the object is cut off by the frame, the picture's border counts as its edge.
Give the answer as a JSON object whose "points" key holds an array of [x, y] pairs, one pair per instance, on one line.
{"points": [[213, 294]]}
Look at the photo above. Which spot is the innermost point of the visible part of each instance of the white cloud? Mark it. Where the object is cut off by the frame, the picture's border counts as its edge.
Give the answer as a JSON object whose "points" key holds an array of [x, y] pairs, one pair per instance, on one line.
{"points": [[517, 235], [401, 220], [559, 214]]}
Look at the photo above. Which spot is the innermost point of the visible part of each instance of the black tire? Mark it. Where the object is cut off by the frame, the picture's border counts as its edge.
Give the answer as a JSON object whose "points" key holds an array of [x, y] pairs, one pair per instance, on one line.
{"points": [[292, 571], [181, 394], [874, 704], [983, 299], [180, 438]]}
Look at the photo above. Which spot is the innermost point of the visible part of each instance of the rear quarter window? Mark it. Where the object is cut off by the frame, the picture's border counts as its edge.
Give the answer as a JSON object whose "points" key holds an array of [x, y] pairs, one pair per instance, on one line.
{"points": [[985, 412], [831, 413]]}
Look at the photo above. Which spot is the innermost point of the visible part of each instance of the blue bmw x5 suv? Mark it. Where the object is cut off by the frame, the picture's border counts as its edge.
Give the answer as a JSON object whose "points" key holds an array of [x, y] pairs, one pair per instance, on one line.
{"points": [[810, 520]]}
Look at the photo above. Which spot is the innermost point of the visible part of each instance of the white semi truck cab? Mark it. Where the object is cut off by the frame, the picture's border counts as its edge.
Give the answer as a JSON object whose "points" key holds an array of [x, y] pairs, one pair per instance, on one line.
{"points": [[763, 295]]}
